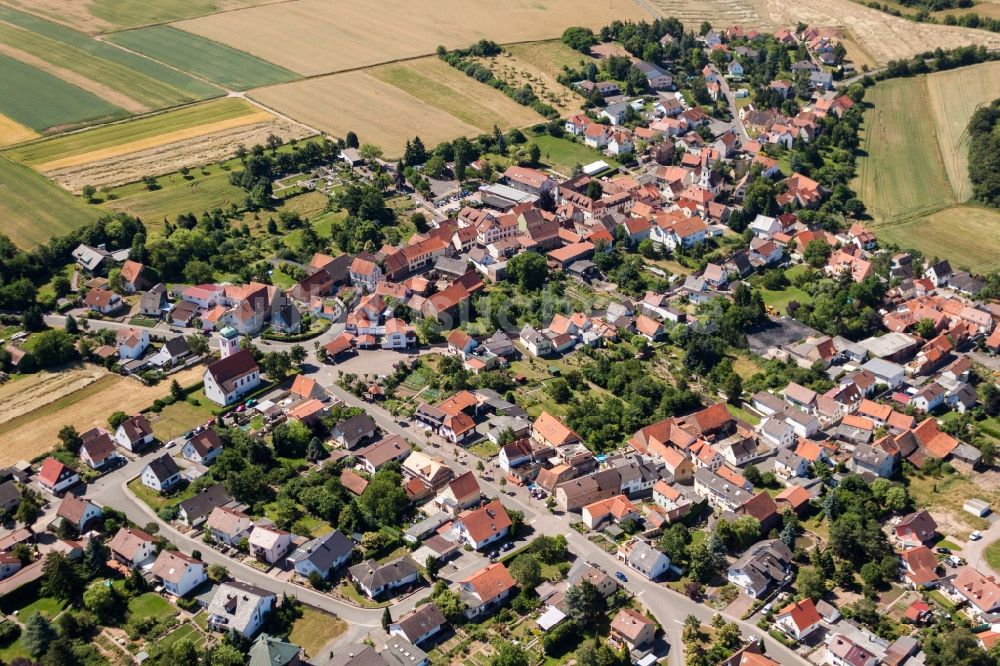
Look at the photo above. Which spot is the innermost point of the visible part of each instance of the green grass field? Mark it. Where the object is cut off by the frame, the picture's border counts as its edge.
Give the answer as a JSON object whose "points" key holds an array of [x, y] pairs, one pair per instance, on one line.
{"points": [[41, 101], [563, 154], [176, 196], [969, 236], [550, 56], [779, 300], [33, 209], [315, 629], [902, 176], [182, 416], [148, 127], [152, 605], [131, 13], [210, 60], [911, 168], [147, 82]]}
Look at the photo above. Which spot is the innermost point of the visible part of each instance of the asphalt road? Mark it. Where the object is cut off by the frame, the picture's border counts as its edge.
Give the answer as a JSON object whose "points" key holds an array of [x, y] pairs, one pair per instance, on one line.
{"points": [[669, 607]]}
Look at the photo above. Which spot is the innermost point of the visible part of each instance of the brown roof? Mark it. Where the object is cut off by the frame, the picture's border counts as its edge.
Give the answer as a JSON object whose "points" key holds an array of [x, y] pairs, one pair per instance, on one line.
{"points": [[630, 623], [794, 496], [131, 270], [72, 508], [803, 613], [760, 506], [227, 370], [553, 431], [206, 441], [464, 486], [384, 450], [127, 540], [353, 481], [226, 520], [136, 427], [99, 448], [170, 565]]}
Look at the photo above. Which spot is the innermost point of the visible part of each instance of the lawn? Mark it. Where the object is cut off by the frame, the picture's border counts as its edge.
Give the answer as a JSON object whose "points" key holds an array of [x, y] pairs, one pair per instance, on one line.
{"points": [[144, 132], [139, 320], [347, 590], [563, 154], [210, 60], [484, 449], [206, 189], [151, 605], [185, 631], [315, 629], [992, 555], [182, 416], [38, 100], [153, 499], [143, 83], [34, 209], [550, 57], [744, 414], [779, 300]]}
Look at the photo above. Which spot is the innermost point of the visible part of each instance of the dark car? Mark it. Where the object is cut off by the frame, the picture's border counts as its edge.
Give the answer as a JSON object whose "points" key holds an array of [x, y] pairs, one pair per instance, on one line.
{"points": [[620, 576], [494, 555], [507, 546], [944, 551]]}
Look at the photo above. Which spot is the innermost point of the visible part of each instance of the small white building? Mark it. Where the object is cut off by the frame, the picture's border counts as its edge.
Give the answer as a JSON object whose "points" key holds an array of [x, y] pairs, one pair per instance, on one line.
{"points": [[161, 474], [178, 572]]}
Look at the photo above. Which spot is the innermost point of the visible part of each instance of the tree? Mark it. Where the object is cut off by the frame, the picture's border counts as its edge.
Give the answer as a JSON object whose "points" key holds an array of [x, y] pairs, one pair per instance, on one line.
{"points": [[27, 510], [181, 653], [816, 253], [95, 558], [527, 571], [59, 577], [88, 192], [733, 388], [315, 451], [810, 583], [579, 39], [198, 344], [70, 438], [958, 647], [386, 619], [177, 391], [101, 600], [585, 604], [508, 654], [71, 326], [297, 354], [217, 573], [116, 419], [559, 390], [226, 655], [528, 270], [38, 635], [351, 140]]}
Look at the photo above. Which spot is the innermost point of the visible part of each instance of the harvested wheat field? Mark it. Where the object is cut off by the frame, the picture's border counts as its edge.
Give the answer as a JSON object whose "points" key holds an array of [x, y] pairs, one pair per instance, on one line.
{"points": [[883, 36], [435, 82], [954, 96], [170, 157], [380, 113], [12, 132], [36, 407], [317, 36], [720, 13], [104, 15]]}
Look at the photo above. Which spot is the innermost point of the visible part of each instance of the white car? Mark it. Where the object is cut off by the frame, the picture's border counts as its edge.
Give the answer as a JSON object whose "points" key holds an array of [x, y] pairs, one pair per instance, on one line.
{"points": [[976, 536]]}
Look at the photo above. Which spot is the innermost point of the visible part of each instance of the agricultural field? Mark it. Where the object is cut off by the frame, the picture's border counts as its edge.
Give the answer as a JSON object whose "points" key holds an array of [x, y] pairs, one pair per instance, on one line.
{"points": [[969, 236], [914, 185], [33, 209], [42, 101], [162, 143], [221, 64], [120, 78], [902, 175], [363, 34], [43, 403], [12, 132], [379, 112], [434, 82], [538, 64], [881, 35], [751, 13], [103, 15], [954, 96]]}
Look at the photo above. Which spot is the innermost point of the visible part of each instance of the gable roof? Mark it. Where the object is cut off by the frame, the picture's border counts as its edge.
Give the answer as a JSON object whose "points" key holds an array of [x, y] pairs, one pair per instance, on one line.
{"points": [[802, 613], [225, 371], [491, 581], [486, 521]]}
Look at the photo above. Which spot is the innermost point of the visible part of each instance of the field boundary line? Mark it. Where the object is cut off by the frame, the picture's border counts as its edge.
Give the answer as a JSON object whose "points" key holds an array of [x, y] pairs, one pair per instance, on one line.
{"points": [[101, 33]]}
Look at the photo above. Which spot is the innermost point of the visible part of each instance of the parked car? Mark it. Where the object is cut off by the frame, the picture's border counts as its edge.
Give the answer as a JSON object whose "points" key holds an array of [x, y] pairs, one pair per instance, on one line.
{"points": [[976, 536], [944, 551], [507, 547], [620, 576]]}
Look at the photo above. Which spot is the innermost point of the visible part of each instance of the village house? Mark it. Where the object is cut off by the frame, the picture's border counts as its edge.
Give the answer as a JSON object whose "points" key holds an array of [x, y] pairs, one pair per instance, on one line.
{"points": [[486, 590], [233, 375], [419, 625], [269, 544], [161, 474], [322, 555], [134, 433], [798, 619], [179, 573], [240, 608], [79, 512], [228, 526], [203, 448], [132, 547], [55, 477], [376, 579]]}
